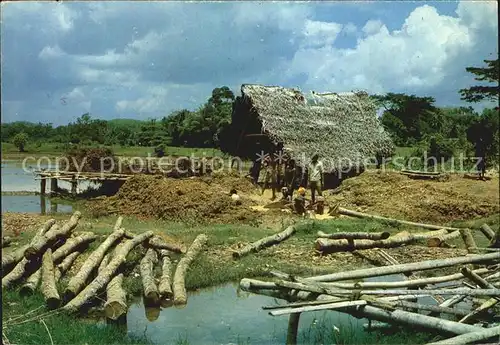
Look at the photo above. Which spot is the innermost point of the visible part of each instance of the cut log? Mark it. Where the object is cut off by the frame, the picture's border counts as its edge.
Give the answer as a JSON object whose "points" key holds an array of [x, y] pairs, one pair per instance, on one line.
{"points": [[420, 172], [105, 276], [63, 251], [487, 231], [483, 284], [495, 241], [468, 239], [64, 266], [355, 235], [116, 303], [347, 212], [157, 242], [9, 260], [179, 283], [404, 268], [77, 282], [6, 241], [39, 246], [471, 337], [440, 239], [48, 286], [104, 263], [266, 242], [165, 287], [433, 308], [147, 265]]}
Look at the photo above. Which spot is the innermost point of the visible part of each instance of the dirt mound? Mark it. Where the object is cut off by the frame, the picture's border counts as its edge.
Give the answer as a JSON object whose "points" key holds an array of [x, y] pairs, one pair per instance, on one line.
{"points": [[394, 195], [204, 200]]}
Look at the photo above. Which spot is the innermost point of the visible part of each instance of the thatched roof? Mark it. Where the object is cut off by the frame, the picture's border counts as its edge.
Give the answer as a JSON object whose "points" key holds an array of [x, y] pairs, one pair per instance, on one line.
{"points": [[338, 127]]}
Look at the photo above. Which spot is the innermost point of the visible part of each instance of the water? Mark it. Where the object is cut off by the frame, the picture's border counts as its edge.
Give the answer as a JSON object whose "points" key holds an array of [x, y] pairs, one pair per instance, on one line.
{"points": [[225, 315], [32, 204]]}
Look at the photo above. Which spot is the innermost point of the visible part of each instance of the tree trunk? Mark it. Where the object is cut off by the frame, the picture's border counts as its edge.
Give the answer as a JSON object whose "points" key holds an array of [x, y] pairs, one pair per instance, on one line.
{"points": [[165, 287], [404, 268], [63, 251], [347, 212], [157, 242], [355, 235], [11, 259], [470, 244], [104, 263], [116, 302], [105, 276], [266, 242], [487, 231], [64, 266], [440, 239], [77, 282], [39, 246], [48, 287], [179, 283], [147, 265], [471, 337]]}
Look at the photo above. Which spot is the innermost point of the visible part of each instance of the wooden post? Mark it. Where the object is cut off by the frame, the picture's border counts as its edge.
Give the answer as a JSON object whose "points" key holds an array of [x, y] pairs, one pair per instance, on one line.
{"points": [[53, 185], [43, 204], [74, 184], [43, 183], [293, 328], [53, 207]]}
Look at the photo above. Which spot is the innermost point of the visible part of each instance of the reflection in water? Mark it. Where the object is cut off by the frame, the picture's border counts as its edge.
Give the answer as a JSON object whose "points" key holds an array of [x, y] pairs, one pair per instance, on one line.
{"points": [[32, 204]]}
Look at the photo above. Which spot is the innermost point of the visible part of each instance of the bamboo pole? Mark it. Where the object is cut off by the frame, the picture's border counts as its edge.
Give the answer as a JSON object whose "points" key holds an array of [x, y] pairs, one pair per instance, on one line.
{"points": [[266, 242], [48, 286], [39, 246], [355, 235], [179, 287], [105, 276], [165, 287], [78, 281], [404, 268], [347, 212], [471, 337], [147, 264]]}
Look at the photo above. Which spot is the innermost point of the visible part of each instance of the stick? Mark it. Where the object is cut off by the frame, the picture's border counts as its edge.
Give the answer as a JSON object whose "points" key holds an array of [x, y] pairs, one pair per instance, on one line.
{"points": [[179, 287], [471, 337], [355, 235], [78, 281], [165, 287], [266, 242], [105, 276], [48, 287]]}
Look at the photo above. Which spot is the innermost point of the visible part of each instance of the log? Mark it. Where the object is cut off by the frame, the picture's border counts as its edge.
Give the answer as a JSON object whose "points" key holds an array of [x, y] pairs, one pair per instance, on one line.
{"points": [[165, 287], [468, 239], [355, 235], [440, 239], [78, 281], [404, 268], [325, 306], [13, 258], [420, 172], [39, 246], [147, 264], [104, 263], [64, 266], [179, 287], [433, 308], [6, 241], [483, 284], [487, 231], [266, 242], [471, 337], [105, 276], [347, 212], [293, 328], [63, 251], [157, 242], [48, 286], [116, 303]]}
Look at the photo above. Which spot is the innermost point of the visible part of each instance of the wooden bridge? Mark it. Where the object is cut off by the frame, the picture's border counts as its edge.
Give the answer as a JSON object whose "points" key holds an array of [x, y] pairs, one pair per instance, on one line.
{"points": [[74, 177]]}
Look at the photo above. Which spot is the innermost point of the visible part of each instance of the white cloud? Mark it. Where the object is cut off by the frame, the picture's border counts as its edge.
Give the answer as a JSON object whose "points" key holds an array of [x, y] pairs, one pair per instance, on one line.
{"points": [[49, 52], [373, 26], [320, 34]]}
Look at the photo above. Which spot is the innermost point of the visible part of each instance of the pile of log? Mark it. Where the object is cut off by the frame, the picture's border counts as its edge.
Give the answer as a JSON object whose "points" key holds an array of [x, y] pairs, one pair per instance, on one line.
{"points": [[395, 302], [54, 249]]}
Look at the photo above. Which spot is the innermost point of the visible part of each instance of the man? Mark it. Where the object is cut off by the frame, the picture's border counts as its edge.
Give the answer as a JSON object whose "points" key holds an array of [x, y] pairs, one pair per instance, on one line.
{"points": [[480, 154], [290, 178], [315, 177]]}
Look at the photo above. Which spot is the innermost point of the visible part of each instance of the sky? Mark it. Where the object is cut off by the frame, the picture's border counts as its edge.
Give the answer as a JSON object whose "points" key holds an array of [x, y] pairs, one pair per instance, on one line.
{"points": [[147, 59]]}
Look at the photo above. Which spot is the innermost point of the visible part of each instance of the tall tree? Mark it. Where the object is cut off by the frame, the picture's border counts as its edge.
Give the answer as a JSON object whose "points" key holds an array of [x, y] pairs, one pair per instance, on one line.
{"points": [[488, 74]]}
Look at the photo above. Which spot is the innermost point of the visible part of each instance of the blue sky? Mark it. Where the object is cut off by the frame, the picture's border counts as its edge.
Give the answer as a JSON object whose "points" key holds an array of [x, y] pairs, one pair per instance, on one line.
{"points": [[147, 59]]}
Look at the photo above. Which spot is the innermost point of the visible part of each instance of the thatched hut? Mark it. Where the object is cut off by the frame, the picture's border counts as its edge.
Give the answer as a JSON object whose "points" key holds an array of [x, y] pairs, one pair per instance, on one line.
{"points": [[342, 128]]}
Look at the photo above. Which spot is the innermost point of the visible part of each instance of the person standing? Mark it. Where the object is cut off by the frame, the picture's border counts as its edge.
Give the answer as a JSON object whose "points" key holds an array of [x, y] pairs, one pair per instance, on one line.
{"points": [[290, 178], [315, 177], [481, 156]]}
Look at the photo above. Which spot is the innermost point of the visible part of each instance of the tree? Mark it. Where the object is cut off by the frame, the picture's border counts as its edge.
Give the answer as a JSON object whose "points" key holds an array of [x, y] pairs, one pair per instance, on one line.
{"points": [[487, 74], [20, 140]]}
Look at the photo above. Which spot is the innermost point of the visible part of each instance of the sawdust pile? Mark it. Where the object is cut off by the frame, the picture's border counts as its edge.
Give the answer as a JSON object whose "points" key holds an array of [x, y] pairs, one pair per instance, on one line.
{"points": [[394, 195], [192, 200]]}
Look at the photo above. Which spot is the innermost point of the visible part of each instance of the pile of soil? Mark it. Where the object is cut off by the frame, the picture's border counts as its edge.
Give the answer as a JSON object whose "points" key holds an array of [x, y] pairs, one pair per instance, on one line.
{"points": [[194, 200], [87, 159], [395, 195]]}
